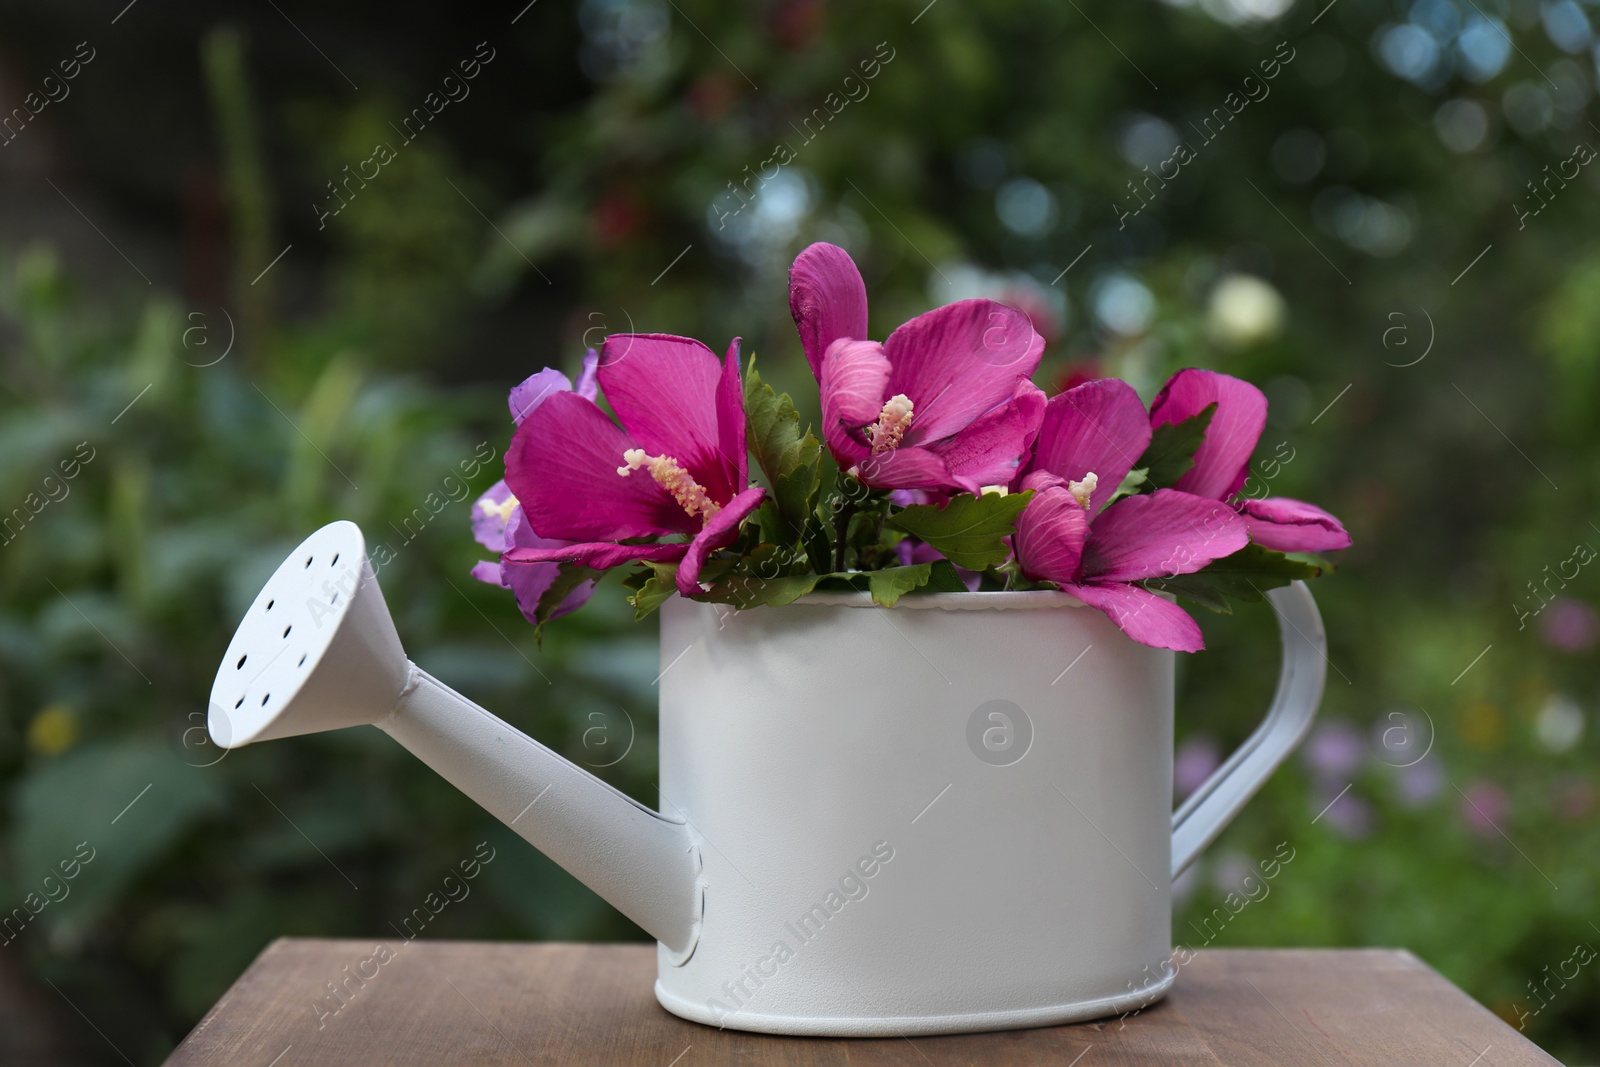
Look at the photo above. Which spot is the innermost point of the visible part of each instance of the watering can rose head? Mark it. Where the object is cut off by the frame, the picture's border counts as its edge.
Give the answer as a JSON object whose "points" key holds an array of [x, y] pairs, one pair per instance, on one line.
{"points": [[950, 471]]}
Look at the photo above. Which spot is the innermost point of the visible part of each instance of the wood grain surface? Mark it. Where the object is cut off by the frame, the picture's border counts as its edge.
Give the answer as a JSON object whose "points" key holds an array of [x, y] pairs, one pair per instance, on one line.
{"points": [[442, 1002]]}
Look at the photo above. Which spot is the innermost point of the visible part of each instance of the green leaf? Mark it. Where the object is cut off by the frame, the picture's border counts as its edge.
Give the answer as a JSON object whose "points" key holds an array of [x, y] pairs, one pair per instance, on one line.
{"points": [[743, 591], [796, 492], [944, 578], [1130, 485], [1172, 448], [659, 585], [787, 453], [1246, 575], [889, 585], [568, 577], [767, 561], [970, 530], [819, 549]]}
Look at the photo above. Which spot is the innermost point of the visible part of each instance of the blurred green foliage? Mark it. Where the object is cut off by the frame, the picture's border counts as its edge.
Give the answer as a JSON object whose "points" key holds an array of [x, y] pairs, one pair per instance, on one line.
{"points": [[991, 155]]}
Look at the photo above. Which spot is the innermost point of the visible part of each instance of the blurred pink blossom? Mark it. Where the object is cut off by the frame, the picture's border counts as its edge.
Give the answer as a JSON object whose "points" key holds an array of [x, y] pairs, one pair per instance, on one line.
{"points": [[1485, 806], [1570, 625], [1193, 763]]}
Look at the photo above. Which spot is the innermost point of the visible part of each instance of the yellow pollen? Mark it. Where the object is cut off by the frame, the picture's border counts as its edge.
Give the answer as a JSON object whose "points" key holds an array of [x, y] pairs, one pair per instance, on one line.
{"points": [[671, 476], [893, 421], [1082, 491], [502, 510]]}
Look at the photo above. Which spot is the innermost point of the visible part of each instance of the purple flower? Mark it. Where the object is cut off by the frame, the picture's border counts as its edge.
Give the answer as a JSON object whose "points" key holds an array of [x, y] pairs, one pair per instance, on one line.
{"points": [[675, 467], [945, 403], [1090, 438], [1334, 751], [1485, 806], [497, 520], [1420, 782], [1347, 814], [1570, 625], [1223, 461], [1193, 763]]}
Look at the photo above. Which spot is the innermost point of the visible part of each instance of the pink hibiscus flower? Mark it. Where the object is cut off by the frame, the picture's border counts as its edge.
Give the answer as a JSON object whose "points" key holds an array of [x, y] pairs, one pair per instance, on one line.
{"points": [[1223, 462], [1090, 439], [675, 467], [944, 404]]}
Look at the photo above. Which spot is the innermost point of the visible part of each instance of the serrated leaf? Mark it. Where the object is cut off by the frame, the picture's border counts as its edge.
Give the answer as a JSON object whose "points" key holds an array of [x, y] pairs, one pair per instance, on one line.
{"points": [[944, 579], [1246, 575], [767, 561], [796, 492], [743, 591], [814, 538], [1172, 447], [787, 452], [970, 531], [892, 583], [659, 585]]}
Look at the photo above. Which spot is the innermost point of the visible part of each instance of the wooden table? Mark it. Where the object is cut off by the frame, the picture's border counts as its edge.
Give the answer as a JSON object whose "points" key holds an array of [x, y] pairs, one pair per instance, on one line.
{"points": [[444, 1003]]}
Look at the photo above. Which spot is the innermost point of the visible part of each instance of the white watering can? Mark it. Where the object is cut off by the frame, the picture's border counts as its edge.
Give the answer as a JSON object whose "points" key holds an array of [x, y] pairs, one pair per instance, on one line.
{"points": [[952, 815]]}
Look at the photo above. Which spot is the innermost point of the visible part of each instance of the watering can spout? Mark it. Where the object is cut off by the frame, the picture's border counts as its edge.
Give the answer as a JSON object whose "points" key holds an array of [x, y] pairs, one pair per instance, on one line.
{"points": [[318, 651]]}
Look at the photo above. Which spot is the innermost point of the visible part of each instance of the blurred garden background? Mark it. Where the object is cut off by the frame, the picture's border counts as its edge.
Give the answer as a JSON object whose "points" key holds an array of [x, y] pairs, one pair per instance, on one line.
{"points": [[229, 341]]}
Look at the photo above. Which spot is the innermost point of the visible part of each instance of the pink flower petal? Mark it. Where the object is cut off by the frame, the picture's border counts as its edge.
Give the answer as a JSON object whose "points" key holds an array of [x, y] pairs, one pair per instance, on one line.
{"points": [[852, 381], [664, 390], [533, 391], [1286, 525], [1098, 427], [905, 468], [720, 532], [1142, 615], [1050, 536], [562, 465], [488, 572], [1223, 461], [991, 450], [731, 420], [1160, 534], [958, 361], [828, 300], [599, 555]]}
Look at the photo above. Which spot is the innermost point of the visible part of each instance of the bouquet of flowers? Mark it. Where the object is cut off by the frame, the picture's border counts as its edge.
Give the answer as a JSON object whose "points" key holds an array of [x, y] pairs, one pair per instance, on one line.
{"points": [[950, 472]]}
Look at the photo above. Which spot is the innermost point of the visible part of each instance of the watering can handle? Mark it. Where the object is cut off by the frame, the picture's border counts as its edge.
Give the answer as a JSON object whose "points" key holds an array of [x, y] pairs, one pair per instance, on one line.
{"points": [[1202, 816]]}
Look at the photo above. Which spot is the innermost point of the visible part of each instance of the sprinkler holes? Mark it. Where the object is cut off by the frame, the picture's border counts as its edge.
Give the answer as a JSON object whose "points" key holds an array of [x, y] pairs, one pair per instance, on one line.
{"points": [[240, 665]]}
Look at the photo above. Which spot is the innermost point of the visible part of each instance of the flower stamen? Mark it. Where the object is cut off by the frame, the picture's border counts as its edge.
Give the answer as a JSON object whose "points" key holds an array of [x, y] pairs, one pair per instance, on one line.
{"points": [[501, 511], [671, 476], [893, 421], [1082, 491]]}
